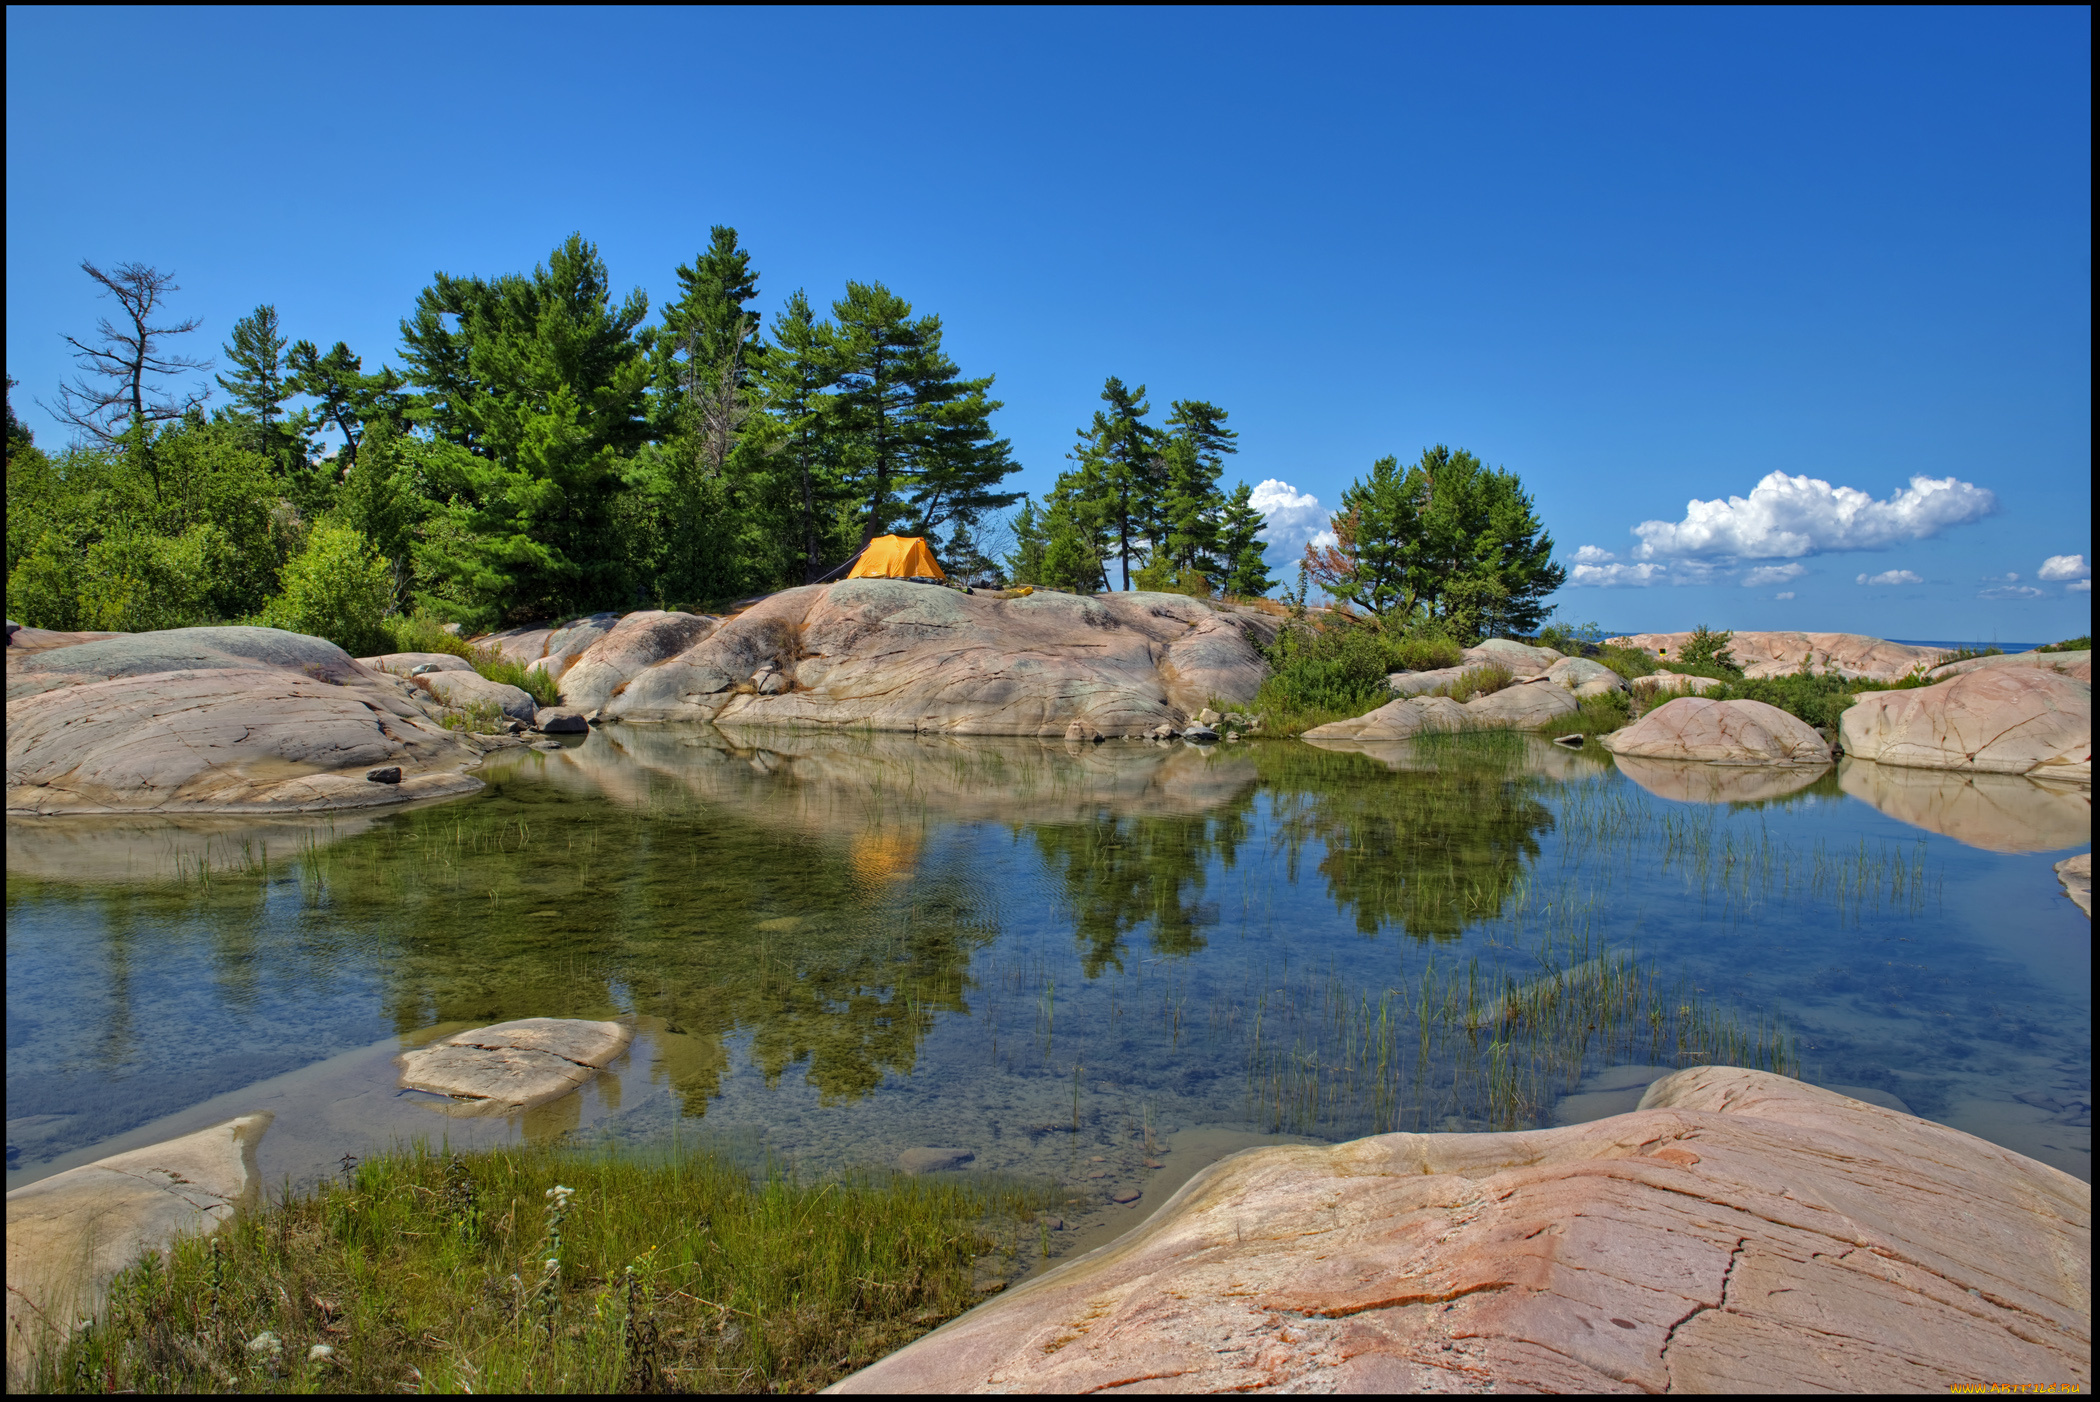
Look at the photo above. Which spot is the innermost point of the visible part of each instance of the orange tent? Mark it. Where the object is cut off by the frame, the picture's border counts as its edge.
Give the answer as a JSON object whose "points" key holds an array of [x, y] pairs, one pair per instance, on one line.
{"points": [[896, 557]]}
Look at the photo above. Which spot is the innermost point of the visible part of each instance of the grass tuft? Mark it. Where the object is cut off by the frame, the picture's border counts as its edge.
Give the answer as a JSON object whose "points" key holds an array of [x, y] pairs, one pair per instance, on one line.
{"points": [[533, 1270]]}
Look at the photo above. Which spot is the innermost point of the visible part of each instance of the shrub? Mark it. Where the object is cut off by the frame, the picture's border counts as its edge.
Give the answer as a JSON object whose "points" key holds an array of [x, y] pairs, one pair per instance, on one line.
{"points": [[1706, 648], [422, 633], [336, 588], [1966, 654], [1598, 715], [2080, 644], [1338, 668]]}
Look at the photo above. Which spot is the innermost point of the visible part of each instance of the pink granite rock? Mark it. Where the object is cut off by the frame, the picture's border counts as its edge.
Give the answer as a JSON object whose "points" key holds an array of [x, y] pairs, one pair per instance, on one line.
{"points": [[637, 641], [1781, 654], [1720, 732], [2072, 664], [1740, 1232], [1997, 720]]}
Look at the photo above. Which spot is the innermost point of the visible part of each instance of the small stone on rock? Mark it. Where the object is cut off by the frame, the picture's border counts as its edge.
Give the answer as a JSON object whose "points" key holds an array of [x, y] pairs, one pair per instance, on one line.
{"points": [[1125, 1195], [1199, 733], [389, 775]]}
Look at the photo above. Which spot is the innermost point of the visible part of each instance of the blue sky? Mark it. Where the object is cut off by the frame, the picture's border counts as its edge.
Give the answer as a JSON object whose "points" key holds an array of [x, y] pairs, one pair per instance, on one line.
{"points": [[1641, 257]]}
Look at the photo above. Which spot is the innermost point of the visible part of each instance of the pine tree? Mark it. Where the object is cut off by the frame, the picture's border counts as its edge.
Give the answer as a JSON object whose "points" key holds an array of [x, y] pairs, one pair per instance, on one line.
{"points": [[1240, 546], [708, 327], [919, 446], [792, 380], [1025, 565], [1120, 469], [349, 398], [259, 387], [1190, 502]]}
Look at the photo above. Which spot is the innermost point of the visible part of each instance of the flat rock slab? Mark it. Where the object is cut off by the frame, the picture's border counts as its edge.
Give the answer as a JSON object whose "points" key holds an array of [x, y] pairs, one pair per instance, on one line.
{"points": [[513, 1065], [2076, 873], [1739, 1232], [1720, 732], [217, 720], [1779, 654], [68, 1234], [2078, 665]]}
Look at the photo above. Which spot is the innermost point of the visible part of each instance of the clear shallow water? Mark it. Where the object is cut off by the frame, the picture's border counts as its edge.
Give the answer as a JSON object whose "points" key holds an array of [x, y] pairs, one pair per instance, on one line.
{"points": [[835, 948]]}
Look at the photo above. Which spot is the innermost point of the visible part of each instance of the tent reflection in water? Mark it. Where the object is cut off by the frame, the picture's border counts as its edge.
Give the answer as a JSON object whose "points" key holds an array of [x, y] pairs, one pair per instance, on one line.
{"points": [[896, 557]]}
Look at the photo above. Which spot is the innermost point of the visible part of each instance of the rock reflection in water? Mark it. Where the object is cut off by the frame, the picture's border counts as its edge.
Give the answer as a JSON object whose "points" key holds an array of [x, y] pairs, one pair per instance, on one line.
{"points": [[1692, 781], [1997, 812]]}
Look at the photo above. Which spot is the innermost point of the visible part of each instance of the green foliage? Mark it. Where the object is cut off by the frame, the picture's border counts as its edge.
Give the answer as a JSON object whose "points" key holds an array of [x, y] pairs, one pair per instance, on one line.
{"points": [[174, 526], [1969, 654], [1240, 546], [423, 633], [2082, 643], [336, 588], [428, 1271], [1476, 682], [1339, 669], [1447, 540], [1598, 715], [1706, 648]]}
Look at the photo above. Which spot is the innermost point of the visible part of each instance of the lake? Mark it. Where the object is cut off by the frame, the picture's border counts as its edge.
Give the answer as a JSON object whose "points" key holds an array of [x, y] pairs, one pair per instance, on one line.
{"points": [[1071, 960]]}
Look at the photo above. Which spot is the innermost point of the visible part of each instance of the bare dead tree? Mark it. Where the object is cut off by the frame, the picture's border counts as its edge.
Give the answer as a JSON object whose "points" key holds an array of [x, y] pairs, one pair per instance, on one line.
{"points": [[112, 395]]}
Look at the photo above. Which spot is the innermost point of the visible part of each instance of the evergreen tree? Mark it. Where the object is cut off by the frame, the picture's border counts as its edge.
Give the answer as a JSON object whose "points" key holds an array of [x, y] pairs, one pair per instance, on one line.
{"points": [[792, 379], [1190, 502], [707, 327], [1025, 564], [541, 391], [260, 385], [1075, 532], [1240, 546], [919, 446], [1120, 469], [349, 398], [1448, 540]]}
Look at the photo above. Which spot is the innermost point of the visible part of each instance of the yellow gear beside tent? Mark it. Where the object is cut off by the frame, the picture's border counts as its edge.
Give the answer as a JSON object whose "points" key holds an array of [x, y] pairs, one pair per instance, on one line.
{"points": [[896, 557]]}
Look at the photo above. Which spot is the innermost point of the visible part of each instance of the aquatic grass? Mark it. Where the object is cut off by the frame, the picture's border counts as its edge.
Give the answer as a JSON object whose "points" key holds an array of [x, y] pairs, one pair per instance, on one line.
{"points": [[535, 1270]]}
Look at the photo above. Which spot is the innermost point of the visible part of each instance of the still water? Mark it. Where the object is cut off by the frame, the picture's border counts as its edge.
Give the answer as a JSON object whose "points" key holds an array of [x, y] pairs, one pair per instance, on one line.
{"points": [[1072, 961]]}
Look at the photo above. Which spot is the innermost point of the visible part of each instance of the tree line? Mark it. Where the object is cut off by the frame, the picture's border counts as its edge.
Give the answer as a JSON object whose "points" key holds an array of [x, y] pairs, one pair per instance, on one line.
{"points": [[539, 451]]}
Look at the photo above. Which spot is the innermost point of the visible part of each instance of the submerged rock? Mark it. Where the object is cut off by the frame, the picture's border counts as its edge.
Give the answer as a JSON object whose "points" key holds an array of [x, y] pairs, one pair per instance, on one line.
{"points": [[933, 1160], [1998, 720], [69, 1234], [1720, 732], [513, 1065], [1739, 1232], [217, 720]]}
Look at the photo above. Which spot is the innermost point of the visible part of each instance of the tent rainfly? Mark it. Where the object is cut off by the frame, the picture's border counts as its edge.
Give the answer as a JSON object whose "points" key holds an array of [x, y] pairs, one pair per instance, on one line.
{"points": [[897, 557]]}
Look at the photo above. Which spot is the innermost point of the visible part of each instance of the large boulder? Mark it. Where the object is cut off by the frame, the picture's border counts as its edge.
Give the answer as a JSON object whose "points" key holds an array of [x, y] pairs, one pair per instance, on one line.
{"points": [[890, 655], [1525, 706], [1522, 659], [403, 664], [470, 688], [1435, 679], [1782, 654], [1397, 720], [69, 1234], [2071, 664], [513, 1065], [559, 648], [218, 720], [1997, 812], [1997, 720], [1720, 732], [1739, 1232], [639, 640], [1584, 677]]}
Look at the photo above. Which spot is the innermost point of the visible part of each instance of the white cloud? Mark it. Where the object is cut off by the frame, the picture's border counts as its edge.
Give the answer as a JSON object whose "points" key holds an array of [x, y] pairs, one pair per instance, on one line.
{"points": [[1787, 595], [1785, 517], [1642, 576], [2066, 567], [2011, 591], [1593, 555], [1773, 574], [1296, 519], [1891, 577], [2079, 586]]}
